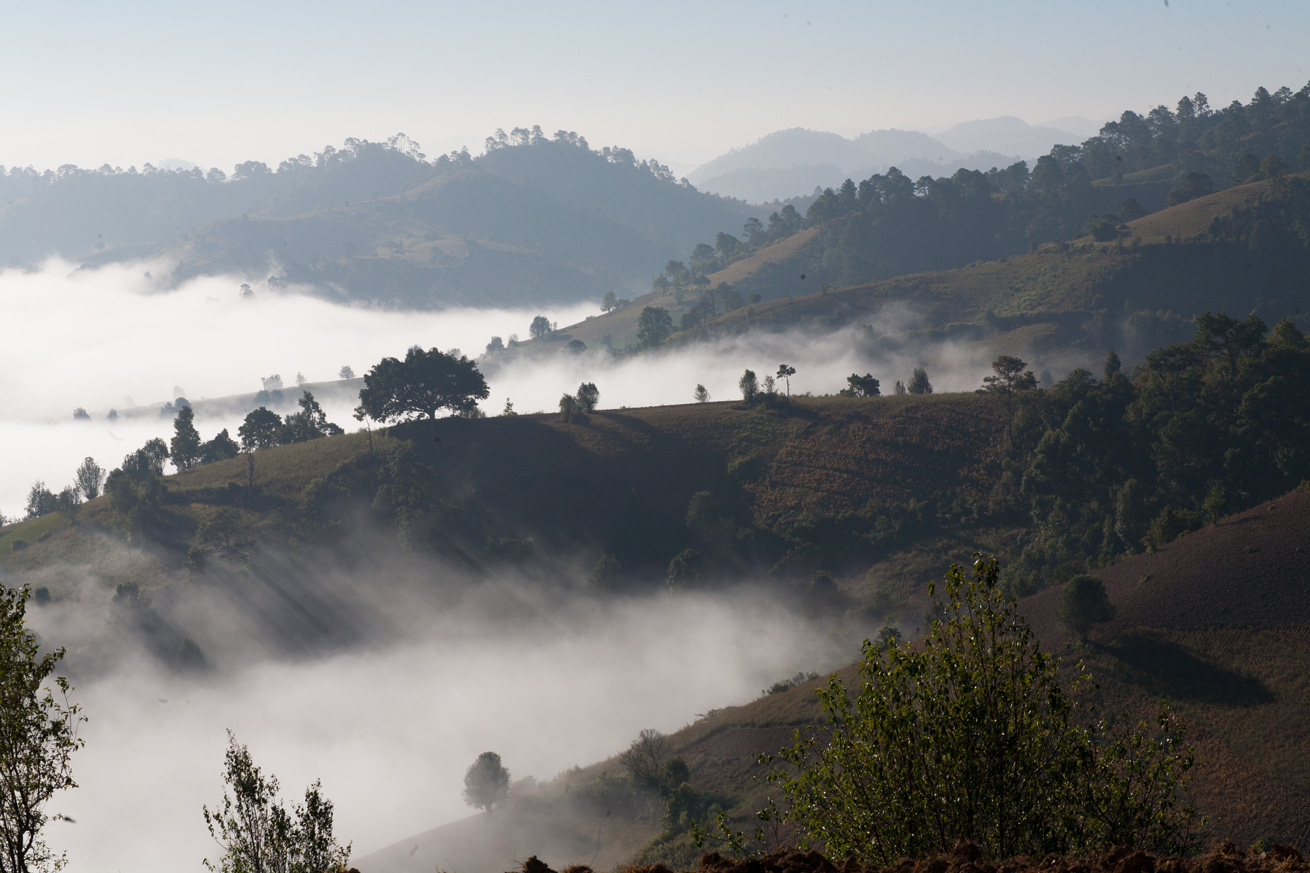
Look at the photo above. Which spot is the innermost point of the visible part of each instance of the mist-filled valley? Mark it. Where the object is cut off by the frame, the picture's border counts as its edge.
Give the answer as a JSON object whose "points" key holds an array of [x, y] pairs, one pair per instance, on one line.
{"points": [[727, 435]]}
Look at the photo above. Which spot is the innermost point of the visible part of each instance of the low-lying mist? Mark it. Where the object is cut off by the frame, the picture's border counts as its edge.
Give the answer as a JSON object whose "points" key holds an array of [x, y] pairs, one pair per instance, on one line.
{"points": [[110, 338], [443, 667]]}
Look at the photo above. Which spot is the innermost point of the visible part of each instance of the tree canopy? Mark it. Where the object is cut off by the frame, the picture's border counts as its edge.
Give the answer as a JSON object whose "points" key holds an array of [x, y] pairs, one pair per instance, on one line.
{"points": [[423, 384], [38, 734], [973, 735], [486, 783]]}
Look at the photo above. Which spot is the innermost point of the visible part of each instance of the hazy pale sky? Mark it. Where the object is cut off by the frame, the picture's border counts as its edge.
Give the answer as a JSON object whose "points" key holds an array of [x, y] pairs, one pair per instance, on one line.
{"points": [[131, 82]]}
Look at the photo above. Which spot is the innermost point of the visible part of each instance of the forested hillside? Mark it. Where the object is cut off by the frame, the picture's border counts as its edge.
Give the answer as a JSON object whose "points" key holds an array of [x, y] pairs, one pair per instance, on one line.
{"points": [[535, 219], [891, 223]]}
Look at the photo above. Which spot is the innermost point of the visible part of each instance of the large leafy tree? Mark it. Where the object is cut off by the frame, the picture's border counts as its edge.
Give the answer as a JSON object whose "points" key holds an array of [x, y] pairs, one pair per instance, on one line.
{"points": [[423, 384], [38, 734], [971, 734]]}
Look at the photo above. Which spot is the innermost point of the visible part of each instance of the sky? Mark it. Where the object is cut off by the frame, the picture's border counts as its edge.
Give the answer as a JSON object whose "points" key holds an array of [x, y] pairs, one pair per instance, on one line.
{"points": [[215, 84]]}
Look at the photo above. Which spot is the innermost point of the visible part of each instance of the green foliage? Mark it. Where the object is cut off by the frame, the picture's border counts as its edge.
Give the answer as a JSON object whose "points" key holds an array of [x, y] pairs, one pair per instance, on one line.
{"points": [[40, 501], [654, 326], [90, 478], [861, 386], [972, 735], [588, 396], [256, 832], [749, 385], [220, 448], [184, 448], [1103, 468], [421, 385], [38, 735], [919, 383], [486, 782], [309, 423], [1083, 603], [260, 429]]}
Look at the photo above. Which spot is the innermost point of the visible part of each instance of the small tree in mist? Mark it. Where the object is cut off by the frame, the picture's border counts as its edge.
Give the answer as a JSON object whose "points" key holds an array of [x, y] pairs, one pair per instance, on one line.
{"points": [[539, 328], [700, 394], [486, 782], [785, 372], [919, 383], [863, 386], [749, 385], [644, 758], [346, 373], [40, 500], [184, 448], [90, 478], [38, 734], [256, 832], [588, 396], [568, 404]]}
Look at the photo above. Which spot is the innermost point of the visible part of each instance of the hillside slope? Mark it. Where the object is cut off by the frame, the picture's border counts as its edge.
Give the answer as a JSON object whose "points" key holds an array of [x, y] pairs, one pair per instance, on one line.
{"points": [[1215, 622]]}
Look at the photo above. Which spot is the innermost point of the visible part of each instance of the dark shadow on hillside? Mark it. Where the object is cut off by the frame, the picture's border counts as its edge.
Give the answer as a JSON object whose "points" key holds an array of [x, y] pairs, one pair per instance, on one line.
{"points": [[1165, 668]]}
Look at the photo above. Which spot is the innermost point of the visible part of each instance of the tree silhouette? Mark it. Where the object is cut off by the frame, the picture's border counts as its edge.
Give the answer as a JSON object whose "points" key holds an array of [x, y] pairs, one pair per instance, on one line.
{"points": [[421, 385], [486, 783]]}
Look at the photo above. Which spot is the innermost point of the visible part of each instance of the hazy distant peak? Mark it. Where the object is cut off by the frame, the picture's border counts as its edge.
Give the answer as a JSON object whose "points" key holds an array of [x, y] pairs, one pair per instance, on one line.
{"points": [[1007, 135]]}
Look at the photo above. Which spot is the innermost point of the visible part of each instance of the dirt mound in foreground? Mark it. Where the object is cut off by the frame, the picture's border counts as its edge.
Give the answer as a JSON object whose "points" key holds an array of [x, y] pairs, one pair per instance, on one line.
{"points": [[967, 858]]}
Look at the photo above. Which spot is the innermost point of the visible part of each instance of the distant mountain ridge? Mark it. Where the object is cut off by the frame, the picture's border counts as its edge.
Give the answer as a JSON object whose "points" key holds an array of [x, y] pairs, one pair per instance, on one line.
{"points": [[533, 221], [789, 163]]}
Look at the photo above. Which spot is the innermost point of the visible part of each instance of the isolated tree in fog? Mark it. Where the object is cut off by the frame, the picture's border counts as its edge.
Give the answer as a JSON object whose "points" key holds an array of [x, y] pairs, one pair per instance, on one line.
{"points": [[1083, 603], [90, 478], [539, 328], [785, 372], [346, 373], [919, 383], [701, 395], [38, 734], [588, 396], [423, 384], [184, 448], [749, 385], [486, 783], [861, 386]]}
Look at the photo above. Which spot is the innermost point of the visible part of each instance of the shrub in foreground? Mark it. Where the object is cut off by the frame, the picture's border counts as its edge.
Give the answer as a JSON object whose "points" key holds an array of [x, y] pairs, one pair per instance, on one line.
{"points": [[971, 735]]}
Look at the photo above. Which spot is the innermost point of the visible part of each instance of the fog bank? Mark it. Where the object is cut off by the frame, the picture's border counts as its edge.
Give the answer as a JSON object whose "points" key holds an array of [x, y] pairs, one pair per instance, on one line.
{"points": [[391, 729]]}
